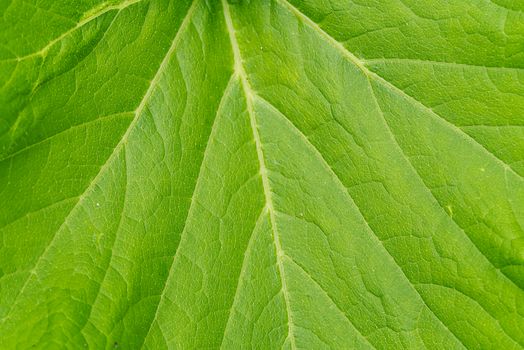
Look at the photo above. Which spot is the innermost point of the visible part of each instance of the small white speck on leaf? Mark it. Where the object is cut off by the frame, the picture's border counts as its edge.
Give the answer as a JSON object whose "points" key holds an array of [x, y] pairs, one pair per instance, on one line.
{"points": [[449, 209]]}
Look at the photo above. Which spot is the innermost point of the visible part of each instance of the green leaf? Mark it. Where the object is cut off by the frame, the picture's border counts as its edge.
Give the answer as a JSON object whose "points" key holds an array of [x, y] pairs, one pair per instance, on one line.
{"points": [[262, 174]]}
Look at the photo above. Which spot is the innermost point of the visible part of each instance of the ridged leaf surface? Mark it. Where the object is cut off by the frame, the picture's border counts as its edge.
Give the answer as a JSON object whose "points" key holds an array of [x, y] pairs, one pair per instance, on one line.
{"points": [[262, 174]]}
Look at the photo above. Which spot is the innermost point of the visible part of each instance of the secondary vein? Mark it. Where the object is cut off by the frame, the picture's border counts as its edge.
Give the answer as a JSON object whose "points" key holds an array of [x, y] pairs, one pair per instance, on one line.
{"points": [[361, 65], [91, 186], [191, 206], [85, 20]]}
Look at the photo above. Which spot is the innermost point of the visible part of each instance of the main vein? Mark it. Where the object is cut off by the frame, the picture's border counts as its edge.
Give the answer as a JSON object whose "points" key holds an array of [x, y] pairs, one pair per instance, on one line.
{"points": [[248, 92]]}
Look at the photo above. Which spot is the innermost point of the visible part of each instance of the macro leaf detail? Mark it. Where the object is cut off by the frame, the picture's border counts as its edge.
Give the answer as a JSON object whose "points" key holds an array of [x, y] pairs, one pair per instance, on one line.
{"points": [[262, 174]]}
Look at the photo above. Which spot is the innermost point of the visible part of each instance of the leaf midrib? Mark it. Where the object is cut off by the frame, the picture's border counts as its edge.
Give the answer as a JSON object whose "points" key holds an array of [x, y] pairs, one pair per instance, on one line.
{"points": [[250, 93], [249, 96], [374, 235]]}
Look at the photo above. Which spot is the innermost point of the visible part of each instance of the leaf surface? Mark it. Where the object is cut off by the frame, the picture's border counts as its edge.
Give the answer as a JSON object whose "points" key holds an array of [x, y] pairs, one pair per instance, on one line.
{"points": [[262, 174]]}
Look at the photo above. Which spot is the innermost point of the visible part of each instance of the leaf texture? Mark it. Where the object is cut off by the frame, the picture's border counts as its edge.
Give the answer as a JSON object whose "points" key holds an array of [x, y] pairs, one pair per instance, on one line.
{"points": [[262, 174]]}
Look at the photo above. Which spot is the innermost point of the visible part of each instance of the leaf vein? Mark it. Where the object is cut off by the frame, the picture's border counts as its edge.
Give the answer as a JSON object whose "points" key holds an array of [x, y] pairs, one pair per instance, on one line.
{"points": [[350, 198], [243, 268], [79, 25], [330, 299], [105, 165], [394, 139], [193, 201], [248, 91], [360, 64]]}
